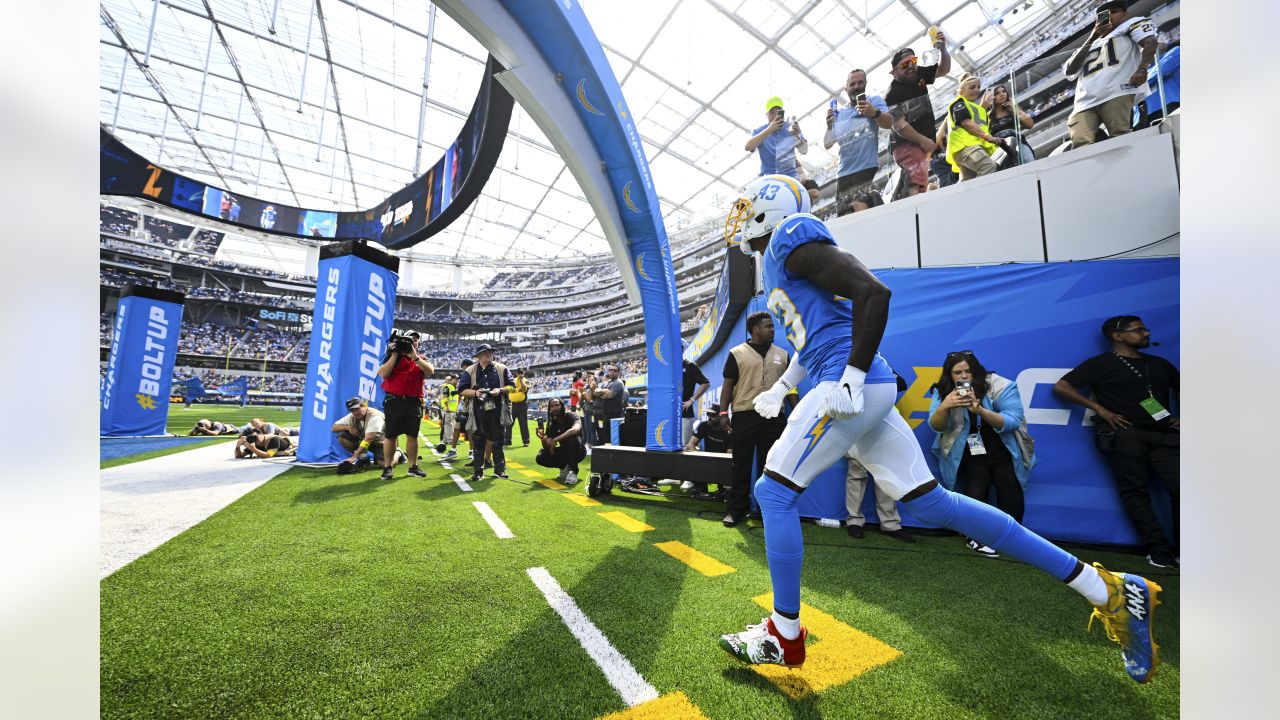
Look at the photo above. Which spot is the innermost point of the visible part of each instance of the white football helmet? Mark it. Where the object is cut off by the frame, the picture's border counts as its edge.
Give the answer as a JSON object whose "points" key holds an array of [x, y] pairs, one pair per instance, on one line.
{"points": [[765, 202]]}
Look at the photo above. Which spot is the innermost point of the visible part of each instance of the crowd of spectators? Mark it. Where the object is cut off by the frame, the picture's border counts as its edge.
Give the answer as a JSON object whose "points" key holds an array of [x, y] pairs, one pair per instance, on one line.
{"points": [[117, 220], [925, 147], [206, 241], [165, 232]]}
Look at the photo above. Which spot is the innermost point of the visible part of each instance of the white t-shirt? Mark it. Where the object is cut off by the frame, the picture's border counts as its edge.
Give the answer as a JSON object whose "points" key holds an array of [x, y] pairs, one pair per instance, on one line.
{"points": [[1111, 61], [372, 423]]}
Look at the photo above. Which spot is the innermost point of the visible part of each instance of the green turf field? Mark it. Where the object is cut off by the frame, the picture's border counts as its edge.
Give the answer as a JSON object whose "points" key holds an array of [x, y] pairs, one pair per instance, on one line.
{"points": [[319, 595]]}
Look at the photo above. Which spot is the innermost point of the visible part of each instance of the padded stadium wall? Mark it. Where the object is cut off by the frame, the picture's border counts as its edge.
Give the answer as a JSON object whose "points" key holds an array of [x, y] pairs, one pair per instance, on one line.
{"points": [[1031, 324]]}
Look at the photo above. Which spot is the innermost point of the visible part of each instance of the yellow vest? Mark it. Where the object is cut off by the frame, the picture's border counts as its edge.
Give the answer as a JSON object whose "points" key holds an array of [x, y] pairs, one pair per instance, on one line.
{"points": [[518, 394], [449, 395], [958, 138]]}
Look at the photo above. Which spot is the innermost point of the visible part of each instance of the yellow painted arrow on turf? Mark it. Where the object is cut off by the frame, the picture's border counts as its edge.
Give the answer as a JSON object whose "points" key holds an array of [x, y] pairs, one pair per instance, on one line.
{"points": [[838, 654]]}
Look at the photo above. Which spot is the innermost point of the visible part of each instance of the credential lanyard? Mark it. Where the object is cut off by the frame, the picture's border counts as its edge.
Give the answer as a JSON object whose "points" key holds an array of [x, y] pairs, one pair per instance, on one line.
{"points": [[1146, 380]]}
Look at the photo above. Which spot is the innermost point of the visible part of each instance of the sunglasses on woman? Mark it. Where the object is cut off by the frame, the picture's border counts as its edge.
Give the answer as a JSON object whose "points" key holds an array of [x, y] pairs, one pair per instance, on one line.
{"points": [[959, 353]]}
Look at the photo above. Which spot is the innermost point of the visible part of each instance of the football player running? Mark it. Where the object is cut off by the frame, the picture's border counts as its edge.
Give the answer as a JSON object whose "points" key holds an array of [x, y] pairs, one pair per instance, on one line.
{"points": [[834, 312]]}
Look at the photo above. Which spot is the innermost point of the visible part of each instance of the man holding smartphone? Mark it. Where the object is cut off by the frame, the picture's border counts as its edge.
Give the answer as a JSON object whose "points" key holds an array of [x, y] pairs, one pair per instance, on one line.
{"points": [[777, 142], [1110, 69], [857, 129]]}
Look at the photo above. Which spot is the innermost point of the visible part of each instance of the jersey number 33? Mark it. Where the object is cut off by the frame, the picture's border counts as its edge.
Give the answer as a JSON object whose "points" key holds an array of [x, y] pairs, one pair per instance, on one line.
{"points": [[782, 307]]}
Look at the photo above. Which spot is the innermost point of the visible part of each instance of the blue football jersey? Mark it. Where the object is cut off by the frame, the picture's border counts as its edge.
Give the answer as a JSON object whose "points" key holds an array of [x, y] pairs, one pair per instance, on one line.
{"points": [[817, 322]]}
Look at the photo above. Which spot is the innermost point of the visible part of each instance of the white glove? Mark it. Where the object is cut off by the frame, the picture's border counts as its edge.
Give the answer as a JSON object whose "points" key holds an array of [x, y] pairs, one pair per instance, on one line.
{"points": [[845, 399], [769, 403]]}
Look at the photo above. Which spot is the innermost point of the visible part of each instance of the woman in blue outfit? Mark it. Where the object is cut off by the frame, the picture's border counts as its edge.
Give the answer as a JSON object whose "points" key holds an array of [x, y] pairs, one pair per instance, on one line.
{"points": [[982, 441]]}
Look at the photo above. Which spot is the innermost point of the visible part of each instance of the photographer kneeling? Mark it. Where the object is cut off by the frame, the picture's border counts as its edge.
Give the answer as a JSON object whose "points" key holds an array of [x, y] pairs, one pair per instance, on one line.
{"points": [[404, 373], [360, 432], [562, 446]]}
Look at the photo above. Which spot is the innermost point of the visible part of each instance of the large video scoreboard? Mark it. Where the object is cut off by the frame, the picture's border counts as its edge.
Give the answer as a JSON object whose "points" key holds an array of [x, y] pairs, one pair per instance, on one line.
{"points": [[411, 215]]}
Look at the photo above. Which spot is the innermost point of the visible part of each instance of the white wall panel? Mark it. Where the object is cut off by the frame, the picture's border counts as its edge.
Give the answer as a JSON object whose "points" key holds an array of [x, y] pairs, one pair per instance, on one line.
{"points": [[881, 238], [992, 219], [1110, 197]]}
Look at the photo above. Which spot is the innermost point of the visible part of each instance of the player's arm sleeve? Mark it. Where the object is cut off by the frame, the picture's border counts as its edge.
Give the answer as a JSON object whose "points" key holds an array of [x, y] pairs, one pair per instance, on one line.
{"points": [[791, 234]]}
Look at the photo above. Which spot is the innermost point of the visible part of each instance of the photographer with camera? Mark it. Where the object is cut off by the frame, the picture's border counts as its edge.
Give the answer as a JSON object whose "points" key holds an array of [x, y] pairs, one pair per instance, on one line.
{"points": [[486, 385], [982, 441], [561, 439], [360, 431], [404, 373]]}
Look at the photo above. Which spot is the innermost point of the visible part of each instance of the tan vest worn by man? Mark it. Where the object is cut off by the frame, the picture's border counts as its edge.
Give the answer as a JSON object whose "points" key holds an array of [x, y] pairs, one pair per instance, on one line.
{"points": [[755, 373]]}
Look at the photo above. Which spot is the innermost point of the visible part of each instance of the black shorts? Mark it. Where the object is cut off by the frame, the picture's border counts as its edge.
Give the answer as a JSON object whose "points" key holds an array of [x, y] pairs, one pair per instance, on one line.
{"points": [[403, 416]]}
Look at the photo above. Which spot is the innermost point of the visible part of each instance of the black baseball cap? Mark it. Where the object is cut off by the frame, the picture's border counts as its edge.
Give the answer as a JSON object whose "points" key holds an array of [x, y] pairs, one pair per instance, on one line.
{"points": [[901, 53], [356, 402], [483, 348]]}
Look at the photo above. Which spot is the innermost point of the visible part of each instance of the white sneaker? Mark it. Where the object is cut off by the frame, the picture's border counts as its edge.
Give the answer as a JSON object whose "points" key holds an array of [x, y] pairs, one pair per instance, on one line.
{"points": [[571, 478], [560, 475], [686, 486], [588, 451], [981, 549], [763, 645]]}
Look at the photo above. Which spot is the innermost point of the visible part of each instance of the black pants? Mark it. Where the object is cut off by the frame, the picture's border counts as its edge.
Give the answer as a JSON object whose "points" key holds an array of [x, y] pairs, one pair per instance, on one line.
{"points": [[488, 427], [603, 435], [848, 185], [519, 416], [979, 475], [565, 455], [1133, 454], [751, 440]]}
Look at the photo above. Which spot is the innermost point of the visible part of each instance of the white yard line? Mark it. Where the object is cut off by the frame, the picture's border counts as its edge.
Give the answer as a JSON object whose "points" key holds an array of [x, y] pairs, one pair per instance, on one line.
{"points": [[499, 528], [624, 678], [145, 504], [457, 479]]}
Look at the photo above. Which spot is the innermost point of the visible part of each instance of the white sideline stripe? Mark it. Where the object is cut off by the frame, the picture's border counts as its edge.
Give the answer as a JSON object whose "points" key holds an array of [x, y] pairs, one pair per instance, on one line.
{"points": [[445, 465], [633, 688], [457, 479], [144, 504], [499, 528]]}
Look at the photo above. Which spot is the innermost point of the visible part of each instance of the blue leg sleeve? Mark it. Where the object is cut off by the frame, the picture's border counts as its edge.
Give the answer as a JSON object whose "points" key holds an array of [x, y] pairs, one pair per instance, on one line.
{"points": [[783, 542], [990, 527]]}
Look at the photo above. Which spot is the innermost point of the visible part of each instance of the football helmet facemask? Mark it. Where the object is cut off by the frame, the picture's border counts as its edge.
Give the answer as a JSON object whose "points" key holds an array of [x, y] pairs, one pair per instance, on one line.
{"points": [[765, 202]]}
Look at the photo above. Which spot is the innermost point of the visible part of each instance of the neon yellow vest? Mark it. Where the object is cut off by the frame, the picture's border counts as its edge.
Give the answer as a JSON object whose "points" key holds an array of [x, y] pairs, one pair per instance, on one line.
{"points": [[519, 393], [449, 394], [958, 138]]}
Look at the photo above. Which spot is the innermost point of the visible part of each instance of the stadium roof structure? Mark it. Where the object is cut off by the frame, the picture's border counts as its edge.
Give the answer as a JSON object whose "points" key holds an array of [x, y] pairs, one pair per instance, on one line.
{"points": [[335, 104]]}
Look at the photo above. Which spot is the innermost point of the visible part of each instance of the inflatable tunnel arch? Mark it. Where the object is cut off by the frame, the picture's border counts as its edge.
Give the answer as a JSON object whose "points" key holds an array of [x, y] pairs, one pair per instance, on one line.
{"points": [[557, 71]]}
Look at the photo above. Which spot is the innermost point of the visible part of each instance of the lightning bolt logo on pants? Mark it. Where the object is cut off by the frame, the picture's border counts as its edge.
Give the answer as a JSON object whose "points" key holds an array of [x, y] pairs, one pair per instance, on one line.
{"points": [[814, 435]]}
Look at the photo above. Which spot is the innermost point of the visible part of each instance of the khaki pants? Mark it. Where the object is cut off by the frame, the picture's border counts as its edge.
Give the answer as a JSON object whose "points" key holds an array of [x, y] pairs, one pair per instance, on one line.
{"points": [[855, 486], [1116, 114], [974, 162]]}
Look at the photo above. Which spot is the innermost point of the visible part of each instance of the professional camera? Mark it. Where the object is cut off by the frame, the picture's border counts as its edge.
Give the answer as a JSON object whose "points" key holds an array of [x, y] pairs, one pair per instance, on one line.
{"points": [[402, 343]]}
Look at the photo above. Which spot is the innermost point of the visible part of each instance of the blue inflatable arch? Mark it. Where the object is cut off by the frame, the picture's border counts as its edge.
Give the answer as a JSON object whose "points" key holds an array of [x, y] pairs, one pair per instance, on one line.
{"points": [[557, 71]]}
